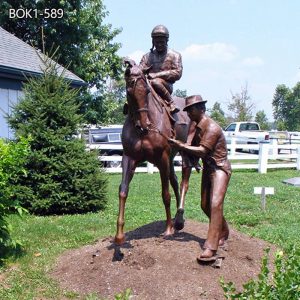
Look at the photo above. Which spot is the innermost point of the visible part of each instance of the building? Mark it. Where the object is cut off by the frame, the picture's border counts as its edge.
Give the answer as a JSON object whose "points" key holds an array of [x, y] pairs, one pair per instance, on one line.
{"points": [[19, 61]]}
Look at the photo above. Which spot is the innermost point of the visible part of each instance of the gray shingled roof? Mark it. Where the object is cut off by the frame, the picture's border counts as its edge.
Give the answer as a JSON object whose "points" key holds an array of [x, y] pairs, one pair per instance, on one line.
{"points": [[18, 57]]}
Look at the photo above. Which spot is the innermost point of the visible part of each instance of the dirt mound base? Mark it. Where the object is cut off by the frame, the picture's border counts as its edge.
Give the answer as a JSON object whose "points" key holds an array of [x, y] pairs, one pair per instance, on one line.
{"points": [[158, 268]]}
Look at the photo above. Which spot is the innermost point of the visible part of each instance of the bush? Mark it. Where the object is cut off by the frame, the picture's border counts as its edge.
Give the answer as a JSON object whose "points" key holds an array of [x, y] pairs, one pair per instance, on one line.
{"points": [[12, 158], [284, 284], [62, 177]]}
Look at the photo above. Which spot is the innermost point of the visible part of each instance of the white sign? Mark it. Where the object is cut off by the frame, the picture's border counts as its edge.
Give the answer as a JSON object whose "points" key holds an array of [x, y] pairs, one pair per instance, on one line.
{"points": [[267, 190]]}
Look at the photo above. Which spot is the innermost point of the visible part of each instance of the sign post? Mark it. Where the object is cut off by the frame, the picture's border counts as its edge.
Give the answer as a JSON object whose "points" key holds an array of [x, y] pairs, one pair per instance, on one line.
{"points": [[263, 191]]}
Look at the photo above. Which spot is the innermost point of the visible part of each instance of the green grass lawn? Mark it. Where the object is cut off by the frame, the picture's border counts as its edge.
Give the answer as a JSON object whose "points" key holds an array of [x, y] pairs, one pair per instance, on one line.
{"points": [[45, 238]]}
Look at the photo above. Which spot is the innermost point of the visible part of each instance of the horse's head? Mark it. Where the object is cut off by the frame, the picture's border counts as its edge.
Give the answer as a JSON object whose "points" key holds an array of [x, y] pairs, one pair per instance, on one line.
{"points": [[137, 94]]}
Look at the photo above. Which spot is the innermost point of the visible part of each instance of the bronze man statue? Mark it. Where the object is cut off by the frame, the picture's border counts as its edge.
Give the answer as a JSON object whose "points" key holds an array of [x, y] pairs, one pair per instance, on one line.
{"points": [[163, 65], [209, 144]]}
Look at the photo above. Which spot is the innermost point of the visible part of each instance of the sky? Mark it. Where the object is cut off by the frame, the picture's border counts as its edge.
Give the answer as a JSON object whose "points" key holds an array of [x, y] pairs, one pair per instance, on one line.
{"points": [[226, 45]]}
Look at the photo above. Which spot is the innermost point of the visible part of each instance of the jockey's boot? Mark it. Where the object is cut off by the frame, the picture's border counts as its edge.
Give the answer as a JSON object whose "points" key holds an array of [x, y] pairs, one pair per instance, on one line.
{"points": [[173, 108], [165, 94]]}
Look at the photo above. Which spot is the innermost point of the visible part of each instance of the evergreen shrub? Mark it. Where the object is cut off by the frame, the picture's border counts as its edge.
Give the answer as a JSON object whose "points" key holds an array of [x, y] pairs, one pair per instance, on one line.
{"points": [[62, 177]]}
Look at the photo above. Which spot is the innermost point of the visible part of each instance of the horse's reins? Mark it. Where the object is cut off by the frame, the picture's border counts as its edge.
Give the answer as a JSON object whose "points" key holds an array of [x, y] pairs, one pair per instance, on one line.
{"points": [[155, 129], [161, 104], [156, 97], [158, 100]]}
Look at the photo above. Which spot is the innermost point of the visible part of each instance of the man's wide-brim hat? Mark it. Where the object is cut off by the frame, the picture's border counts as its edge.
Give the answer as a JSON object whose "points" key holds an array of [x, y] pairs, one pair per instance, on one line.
{"points": [[192, 100]]}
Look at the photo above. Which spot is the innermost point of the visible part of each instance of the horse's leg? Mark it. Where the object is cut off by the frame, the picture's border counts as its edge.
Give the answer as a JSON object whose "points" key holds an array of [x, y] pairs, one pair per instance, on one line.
{"points": [[128, 166], [186, 165], [184, 186], [185, 133], [174, 181], [164, 170]]}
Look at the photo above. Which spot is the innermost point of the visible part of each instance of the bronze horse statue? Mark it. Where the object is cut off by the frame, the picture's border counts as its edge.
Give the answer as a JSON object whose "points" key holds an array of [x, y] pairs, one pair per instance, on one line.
{"points": [[145, 138]]}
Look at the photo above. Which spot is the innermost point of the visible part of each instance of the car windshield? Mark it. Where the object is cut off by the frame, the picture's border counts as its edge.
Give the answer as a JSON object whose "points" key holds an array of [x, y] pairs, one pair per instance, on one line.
{"points": [[231, 127]]}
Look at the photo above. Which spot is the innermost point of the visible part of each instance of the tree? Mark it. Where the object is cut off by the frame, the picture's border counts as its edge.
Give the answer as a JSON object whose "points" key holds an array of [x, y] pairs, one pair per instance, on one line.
{"points": [[240, 106], [86, 43], [280, 107], [114, 102], [180, 93], [286, 107], [62, 177], [218, 115], [262, 120]]}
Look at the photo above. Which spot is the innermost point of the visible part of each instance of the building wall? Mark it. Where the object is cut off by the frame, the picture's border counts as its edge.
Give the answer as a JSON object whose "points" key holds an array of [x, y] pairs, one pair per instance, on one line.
{"points": [[8, 97]]}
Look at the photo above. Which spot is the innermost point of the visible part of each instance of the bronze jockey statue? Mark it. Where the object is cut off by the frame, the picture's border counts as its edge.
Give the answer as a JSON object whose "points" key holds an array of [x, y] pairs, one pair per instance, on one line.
{"points": [[163, 65]]}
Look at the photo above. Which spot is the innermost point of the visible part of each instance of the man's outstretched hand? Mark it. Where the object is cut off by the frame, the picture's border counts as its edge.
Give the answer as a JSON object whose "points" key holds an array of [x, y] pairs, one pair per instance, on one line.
{"points": [[152, 75], [175, 143]]}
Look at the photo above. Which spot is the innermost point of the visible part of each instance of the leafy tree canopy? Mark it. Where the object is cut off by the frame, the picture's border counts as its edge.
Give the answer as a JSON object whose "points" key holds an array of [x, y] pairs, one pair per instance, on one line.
{"points": [[241, 106], [286, 107], [86, 45], [262, 120], [180, 93], [12, 159], [110, 110], [218, 115]]}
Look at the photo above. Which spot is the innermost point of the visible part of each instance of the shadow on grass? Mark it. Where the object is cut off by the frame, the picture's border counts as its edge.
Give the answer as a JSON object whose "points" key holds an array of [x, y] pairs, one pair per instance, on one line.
{"points": [[11, 253]]}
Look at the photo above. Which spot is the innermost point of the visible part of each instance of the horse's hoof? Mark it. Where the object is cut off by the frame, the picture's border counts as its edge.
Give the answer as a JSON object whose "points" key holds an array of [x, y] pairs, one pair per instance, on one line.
{"points": [[168, 232], [179, 220], [119, 240]]}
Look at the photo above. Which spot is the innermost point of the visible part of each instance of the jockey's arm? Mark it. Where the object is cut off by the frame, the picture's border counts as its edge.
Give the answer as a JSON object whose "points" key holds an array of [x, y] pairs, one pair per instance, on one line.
{"points": [[169, 75], [175, 71]]}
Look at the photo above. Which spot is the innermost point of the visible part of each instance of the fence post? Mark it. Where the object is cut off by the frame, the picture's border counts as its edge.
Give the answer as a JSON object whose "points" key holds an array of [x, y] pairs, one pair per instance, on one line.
{"points": [[150, 168], [298, 158], [263, 158], [274, 148]]}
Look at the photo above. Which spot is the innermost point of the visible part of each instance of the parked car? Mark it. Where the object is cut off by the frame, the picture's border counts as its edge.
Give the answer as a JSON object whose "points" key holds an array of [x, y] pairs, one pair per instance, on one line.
{"points": [[245, 133], [285, 138], [107, 137], [106, 140], [294, 137]]}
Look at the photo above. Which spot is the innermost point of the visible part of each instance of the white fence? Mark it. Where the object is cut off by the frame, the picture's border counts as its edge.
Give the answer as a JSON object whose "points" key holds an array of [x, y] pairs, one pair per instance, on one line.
{"points": [[270, 156]]}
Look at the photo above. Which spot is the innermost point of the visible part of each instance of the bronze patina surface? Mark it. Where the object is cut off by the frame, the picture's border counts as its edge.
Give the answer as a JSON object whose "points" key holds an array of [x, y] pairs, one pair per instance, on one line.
{"points": [[209, 144]]}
